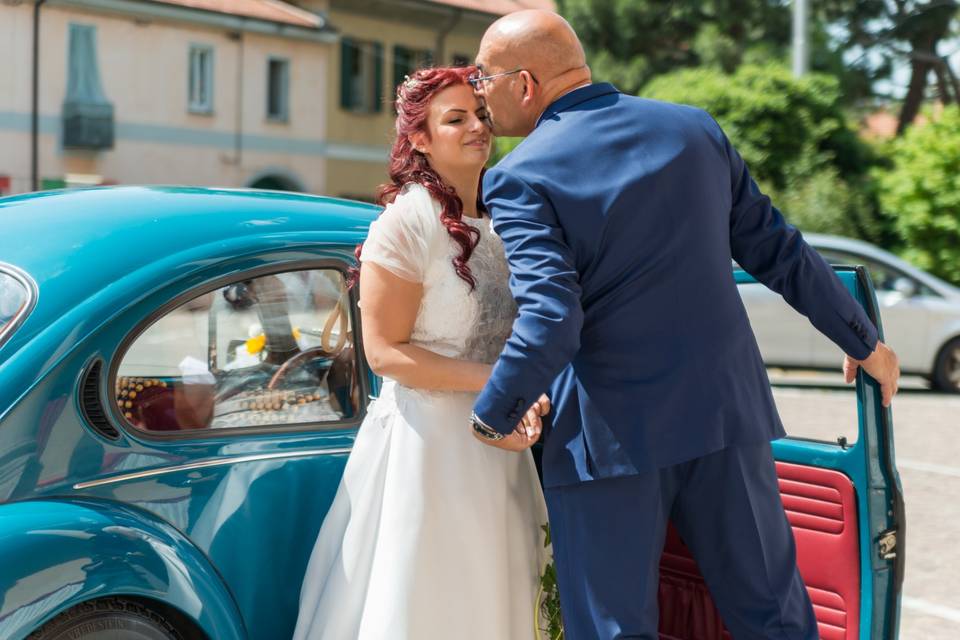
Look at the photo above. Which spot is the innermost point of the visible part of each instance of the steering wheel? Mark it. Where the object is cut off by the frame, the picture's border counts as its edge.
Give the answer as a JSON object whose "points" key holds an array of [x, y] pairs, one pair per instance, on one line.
{"points": [[327, 349]]}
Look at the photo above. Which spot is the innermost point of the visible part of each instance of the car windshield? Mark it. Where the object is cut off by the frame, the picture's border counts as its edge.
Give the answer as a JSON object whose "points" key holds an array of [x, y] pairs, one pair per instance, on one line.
{"points": [[13, 298]]}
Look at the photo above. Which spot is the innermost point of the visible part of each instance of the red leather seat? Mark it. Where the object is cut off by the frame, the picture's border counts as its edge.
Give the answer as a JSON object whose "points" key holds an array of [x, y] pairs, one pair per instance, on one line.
{"points": [[155, 410], [821, 507]]}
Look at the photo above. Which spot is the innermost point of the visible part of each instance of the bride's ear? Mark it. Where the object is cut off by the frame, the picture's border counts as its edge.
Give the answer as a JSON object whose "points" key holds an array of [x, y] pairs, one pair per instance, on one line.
{"points": [[419, 142]]}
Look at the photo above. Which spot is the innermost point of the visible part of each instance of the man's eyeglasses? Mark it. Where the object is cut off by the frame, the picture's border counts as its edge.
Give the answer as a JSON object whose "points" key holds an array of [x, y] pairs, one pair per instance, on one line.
{"points": [[477, 81]]}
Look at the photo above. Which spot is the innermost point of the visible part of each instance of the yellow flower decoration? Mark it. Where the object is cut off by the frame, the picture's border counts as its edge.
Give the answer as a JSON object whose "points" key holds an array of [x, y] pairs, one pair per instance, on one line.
{"points": [[255, 344]]}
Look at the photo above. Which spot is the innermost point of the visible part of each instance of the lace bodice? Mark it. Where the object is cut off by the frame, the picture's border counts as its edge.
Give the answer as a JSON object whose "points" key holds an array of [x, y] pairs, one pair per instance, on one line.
{"points": [[409, 240]]}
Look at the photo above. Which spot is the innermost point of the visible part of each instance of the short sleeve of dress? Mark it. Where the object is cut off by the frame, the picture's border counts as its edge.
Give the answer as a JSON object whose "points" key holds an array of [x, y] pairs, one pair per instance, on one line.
{"points": [[402, 238]]}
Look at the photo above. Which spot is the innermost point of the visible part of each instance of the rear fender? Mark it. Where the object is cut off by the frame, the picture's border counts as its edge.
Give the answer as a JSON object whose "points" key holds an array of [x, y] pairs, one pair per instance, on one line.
{"points": [[60, 552]]}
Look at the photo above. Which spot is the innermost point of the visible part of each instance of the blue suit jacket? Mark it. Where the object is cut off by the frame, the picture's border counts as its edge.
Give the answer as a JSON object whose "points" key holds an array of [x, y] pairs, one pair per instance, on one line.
{"points": [[620, 217]]}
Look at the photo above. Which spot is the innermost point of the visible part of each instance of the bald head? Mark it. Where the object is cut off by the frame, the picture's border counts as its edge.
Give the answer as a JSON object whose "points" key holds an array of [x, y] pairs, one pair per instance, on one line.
{"points": [[540, 41], [531, 58]]}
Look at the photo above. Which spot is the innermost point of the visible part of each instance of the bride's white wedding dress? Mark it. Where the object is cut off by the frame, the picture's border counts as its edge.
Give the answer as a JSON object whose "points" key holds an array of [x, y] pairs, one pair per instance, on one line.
{"points": [[432, 535]]}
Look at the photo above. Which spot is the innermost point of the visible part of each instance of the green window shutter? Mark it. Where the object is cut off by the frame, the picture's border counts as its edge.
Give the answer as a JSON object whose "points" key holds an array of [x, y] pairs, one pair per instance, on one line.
{"points": [[378, 77], [348, 52], [401, 64]]}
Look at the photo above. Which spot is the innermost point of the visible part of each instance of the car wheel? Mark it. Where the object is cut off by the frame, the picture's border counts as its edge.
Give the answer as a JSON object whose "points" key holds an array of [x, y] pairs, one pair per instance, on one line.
{"points": [[106, 619], [946, 372]]}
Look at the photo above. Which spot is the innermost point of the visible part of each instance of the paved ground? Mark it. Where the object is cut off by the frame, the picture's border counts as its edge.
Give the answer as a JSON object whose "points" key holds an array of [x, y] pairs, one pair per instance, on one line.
{"points": [[927, 440]]}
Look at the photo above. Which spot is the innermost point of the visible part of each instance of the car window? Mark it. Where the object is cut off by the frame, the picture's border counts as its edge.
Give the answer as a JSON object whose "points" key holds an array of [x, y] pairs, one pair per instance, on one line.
{"points": [[14, 296], [815, 406], [804, 388], [266, 352], [883, 275]]}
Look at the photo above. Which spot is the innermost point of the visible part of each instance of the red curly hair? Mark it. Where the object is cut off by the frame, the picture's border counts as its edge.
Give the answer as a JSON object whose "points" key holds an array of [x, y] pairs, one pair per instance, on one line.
{"points": [[409, 165]]}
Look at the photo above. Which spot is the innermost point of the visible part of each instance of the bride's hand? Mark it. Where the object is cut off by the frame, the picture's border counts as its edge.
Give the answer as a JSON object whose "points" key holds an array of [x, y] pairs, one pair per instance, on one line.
{"points": [[531, 426], [543, 402], [517, 441], [527, 431]]}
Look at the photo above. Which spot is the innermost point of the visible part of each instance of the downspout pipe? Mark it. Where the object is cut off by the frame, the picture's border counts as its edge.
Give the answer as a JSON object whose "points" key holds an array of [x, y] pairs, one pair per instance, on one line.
{"points": [[238, 37], [35, 108]]}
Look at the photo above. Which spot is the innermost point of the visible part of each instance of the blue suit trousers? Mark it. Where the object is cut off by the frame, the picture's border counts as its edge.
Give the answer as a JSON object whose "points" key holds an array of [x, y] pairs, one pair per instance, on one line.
{"points": [[608, 536]]}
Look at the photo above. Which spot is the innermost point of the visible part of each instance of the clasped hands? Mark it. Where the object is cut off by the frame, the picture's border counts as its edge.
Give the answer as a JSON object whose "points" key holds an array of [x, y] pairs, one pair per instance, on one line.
{"points": [[527, 431]]}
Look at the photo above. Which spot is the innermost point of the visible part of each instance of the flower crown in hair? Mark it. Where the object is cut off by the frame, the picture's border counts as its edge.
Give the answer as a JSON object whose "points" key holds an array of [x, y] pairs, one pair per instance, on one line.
{"points": [[407, 85]]}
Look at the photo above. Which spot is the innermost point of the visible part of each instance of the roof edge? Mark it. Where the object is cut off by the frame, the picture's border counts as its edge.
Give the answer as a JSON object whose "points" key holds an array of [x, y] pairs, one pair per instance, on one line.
{"points": [[437, 8], [151, 10], [486, 10]]}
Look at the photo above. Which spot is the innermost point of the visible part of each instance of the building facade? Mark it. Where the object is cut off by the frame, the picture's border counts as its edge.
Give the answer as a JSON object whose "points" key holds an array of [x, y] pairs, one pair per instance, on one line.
{"points": [[164, 92], [232, 93], [381, 41]]}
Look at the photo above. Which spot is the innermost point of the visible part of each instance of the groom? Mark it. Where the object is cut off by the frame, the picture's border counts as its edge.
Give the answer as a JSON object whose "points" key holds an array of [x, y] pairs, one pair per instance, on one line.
{"points": [[620, 217]]}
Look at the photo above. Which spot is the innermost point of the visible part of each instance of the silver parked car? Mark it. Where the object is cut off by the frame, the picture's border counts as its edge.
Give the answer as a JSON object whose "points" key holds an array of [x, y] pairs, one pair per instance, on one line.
{"points": [[921, 316]]}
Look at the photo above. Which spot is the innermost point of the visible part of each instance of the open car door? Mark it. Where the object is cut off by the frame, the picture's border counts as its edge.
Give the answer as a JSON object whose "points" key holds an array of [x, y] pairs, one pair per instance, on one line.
{"points": [[845, 504]]}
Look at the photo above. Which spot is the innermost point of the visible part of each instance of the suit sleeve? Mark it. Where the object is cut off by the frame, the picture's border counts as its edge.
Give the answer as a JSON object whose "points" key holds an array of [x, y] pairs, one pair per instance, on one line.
{"points": [[775, 253], [545, 283]]}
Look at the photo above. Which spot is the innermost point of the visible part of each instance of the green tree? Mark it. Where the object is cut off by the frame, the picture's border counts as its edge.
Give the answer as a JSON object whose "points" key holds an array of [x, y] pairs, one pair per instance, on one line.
{"points": [[860, 42], [630, 41], [922, 193], [795, 137], [883, 34]]}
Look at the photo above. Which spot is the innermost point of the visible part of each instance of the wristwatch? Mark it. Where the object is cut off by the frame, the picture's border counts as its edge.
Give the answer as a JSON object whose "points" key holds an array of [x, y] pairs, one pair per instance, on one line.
{"points": [[484, 430]]}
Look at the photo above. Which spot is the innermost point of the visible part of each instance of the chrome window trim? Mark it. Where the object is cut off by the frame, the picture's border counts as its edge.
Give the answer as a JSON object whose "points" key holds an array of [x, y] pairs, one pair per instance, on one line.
{"points": [[30, 285], [205, 464]]}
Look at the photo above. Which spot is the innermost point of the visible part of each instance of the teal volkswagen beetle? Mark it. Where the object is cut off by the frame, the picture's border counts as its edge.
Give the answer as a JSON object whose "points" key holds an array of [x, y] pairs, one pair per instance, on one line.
{"points": [[181, 381]]}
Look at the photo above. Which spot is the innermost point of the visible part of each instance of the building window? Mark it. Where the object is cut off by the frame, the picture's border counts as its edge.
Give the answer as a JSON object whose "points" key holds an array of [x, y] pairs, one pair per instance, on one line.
{"points": [[461, 60], [406, 61], [201, 79], [278, 89], [361, 76], [87, 114]]}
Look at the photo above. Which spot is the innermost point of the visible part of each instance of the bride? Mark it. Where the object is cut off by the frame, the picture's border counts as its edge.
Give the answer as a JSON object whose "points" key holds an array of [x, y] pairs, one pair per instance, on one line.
{"points": [[431, 535]]}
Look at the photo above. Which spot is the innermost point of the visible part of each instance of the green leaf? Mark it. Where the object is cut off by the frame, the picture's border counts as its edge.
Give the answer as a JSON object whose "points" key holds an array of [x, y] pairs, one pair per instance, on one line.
{"points": [[920, 191]]}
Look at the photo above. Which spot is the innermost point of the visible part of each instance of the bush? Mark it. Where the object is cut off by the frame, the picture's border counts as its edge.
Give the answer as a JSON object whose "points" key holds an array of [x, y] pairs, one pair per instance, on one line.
{"points": [[921, 193], [795, 137], [776, 121], [501, 147], [822, 202]]}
